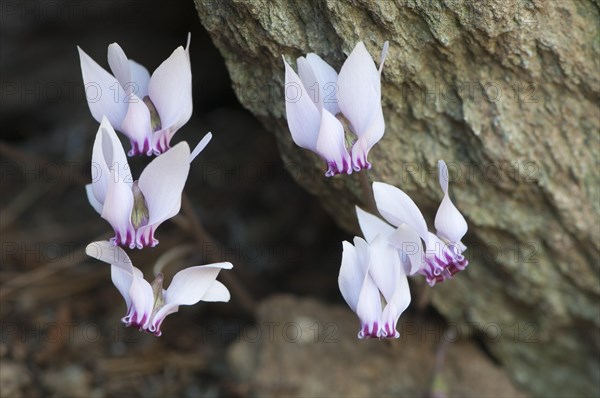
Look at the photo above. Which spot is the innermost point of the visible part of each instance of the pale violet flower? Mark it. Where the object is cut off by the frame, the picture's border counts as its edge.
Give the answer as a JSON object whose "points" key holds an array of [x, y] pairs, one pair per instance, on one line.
{"points": [[136, 208], [368, 272], [442, 256], [316, 98], [149, 304], [147, 109]]}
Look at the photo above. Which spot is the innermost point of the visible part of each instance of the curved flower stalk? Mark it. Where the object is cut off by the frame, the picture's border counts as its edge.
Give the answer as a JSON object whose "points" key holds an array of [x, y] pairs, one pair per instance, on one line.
{"points": [[135, 209], [442, 256], [147, 109], [149, 304], [368, 272], [316, 95]]}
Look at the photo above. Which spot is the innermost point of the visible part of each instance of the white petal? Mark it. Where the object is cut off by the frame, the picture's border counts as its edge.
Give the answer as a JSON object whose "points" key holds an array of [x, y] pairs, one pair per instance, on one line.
{"points": [[449, 222], [187, 46], [408, 241], [384, 266], [162, 183], [359, 94], [397, 208], [320, 79], [104, 94], [362, 147], [133, 77], [369, 305], [107, 153], [351, 275], [371, 225], [331, 145], [137, 127], [122, 268], [117, 209], [191, 284], [217, 292], [384, 51], [92, 198], [170, 90], [200, 147], [128, 279], [141, 77], [110, 254], [100, 170], [357, 286], [396, 306], [119, 65], [303, 117]]}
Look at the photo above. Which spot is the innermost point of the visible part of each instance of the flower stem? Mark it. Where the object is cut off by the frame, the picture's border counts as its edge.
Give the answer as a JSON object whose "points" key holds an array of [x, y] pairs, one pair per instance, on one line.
{"points": [[367, 192]]}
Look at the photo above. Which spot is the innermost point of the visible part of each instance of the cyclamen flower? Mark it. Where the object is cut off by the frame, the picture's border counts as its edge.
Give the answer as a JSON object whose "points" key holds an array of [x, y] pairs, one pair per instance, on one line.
{"points": [[354, 95], [442, 257], [147, 109], [369, 271], [135, 209], [149, 304]]}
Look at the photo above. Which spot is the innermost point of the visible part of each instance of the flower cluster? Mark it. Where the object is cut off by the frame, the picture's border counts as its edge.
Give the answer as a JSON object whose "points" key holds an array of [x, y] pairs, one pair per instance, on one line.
{"points": [[373, 275], [148, 110], [379, 265], [354, 95], [148, 303]]}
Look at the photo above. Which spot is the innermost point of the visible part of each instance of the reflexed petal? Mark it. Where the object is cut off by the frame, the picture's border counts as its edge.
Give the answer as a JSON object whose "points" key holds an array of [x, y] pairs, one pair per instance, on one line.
{"points": [[408, 241], [142, 299], [191, 284], [371, 225], [331, 145], [359, 95], [449, 222], [100, 171], [351, 275], [384, 266], [170, 90], [303, 116], [187, 46], [200, 147], [122, 271], [104, 94], [397, 208], [92, 198], [314, 70], [384, 51], [137, 127], [217, 292], [141, 77], [396, 306], [309, 82], [361, 148], [117, 209], [107, 154], [162, 182], [388, 274], [119, 65], [368, 307], [132, 76]]}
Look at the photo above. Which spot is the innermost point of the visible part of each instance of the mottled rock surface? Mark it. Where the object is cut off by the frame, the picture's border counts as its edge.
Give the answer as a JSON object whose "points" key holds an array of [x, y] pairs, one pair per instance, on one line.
{"points": [[507, 93]]}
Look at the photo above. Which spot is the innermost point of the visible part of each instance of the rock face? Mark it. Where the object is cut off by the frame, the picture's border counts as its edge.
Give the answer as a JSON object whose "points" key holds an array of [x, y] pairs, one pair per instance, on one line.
{"points": [[507, 93]]}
